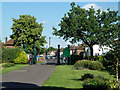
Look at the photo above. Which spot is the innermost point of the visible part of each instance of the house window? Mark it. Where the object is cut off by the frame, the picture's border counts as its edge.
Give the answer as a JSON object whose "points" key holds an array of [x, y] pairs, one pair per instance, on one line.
{"points": [[95, 54]]}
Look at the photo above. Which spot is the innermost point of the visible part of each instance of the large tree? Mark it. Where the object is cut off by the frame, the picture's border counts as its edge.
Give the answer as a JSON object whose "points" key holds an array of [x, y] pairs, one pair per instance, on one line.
{"points": [[88, 26], [114, 43], [27, 31]]}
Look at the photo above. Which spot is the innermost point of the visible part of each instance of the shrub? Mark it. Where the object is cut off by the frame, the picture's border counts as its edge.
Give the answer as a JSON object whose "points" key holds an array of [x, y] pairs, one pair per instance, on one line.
{"points": [[100, 82], [9, 54], [8, 65], [75, 58], [22, 58], [94, 65], [86, 76], [96, 58]]}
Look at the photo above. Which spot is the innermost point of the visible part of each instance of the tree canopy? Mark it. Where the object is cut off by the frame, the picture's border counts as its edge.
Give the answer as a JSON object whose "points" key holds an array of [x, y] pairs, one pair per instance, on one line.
{"points": [[89, 26], [26, 30]]}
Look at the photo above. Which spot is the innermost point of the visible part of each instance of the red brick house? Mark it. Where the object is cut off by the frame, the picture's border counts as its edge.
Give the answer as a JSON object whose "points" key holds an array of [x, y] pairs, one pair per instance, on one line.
{"points": [[8, 43]]}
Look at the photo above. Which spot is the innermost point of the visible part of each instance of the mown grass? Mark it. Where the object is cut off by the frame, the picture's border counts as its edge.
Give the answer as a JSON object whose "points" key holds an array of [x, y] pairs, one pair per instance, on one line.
{"points": [[16, 67], [67, 77]]}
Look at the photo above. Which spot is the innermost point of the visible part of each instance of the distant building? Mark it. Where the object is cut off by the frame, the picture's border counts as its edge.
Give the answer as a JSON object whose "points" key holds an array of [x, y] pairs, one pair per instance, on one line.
{"points": [[8, 43], [97, 50], [77, 49], [53, 53]]}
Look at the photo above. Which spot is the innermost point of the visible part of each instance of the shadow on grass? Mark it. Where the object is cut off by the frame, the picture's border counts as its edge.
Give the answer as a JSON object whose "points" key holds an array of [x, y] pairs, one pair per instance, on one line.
{"points": [[29, 86]]}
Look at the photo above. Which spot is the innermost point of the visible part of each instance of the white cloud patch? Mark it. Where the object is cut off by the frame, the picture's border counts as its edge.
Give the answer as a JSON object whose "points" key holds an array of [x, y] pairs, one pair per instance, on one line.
{"points": [[96, 7], [43, 22]]}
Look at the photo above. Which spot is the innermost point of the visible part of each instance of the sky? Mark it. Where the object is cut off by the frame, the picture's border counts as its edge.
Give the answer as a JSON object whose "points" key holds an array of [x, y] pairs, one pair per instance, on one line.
{"points": [[48, 13]]}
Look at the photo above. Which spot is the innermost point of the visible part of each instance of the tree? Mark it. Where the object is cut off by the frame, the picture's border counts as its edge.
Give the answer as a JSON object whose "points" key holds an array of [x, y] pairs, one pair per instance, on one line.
{"points": [[27, 31], [88, 26], [114, 43], [51, 49]]}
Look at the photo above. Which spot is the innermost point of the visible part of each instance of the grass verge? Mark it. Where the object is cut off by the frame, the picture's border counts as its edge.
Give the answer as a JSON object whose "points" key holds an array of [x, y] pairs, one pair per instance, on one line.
{"points": [[66, 77], [16, 67]]}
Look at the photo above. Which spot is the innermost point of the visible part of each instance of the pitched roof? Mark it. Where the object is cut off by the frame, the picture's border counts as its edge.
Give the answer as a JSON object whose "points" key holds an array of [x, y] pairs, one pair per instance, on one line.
{"points": [[11, 41], [79, 47]]}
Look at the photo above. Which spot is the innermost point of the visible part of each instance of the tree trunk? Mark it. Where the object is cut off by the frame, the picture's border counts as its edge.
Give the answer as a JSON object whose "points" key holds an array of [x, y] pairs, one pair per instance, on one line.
{"points": [[117, 70], [91, 52]]}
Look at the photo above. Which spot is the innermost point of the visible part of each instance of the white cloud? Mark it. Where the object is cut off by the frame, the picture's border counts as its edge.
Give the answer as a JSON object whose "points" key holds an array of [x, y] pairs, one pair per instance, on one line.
{"points": [[87, 6], [43, 22]]}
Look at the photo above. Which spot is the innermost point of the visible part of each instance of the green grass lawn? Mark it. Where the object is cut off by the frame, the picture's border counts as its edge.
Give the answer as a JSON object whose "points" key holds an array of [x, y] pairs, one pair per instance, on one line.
{"points": [[16, 67], [66, 77]]}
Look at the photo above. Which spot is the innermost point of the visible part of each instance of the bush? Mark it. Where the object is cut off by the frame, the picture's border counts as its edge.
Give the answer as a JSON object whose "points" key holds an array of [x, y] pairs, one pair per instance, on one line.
{"points": [[100, 82], [9, 54], [86, 76], [8, 65], [94, 65], [22, 58], [93, 83], [14, 55], [96, 58], [75, 58]]}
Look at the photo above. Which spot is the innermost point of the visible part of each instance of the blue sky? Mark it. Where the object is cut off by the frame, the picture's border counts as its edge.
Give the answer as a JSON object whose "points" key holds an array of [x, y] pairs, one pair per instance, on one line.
{"points": [[48, 13]]}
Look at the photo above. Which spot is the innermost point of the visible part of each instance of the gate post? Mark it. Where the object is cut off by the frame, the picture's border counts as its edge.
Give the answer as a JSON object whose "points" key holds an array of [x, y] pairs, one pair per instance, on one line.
{"points": [[69, 58], [35, 60], [58, 55]]}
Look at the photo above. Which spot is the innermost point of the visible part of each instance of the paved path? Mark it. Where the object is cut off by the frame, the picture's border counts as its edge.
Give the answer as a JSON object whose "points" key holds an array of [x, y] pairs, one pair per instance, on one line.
{"points": [[32, 76]]}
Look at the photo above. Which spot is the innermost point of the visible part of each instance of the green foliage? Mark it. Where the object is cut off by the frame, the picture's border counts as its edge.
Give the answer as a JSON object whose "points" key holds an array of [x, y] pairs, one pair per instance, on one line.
{"points": [[109, 62], [27, 31], [9, 54], [96, 58], [8, 65], [22, 58], [74, 58], [89, 26], [86, 76], [109, 59], [93, 65], [100, 82], [51, 49]]}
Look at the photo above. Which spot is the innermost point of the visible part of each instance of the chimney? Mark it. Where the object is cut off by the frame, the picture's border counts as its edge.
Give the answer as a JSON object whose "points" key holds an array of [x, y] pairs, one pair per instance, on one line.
{"points": [[5, 39]]}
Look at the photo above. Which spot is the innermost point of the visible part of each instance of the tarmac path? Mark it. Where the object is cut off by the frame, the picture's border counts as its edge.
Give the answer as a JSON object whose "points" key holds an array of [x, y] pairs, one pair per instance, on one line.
{"points": [[32, 76]]}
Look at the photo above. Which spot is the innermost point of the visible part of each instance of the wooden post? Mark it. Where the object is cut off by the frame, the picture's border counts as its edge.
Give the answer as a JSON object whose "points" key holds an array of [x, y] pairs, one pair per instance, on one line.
{"points": [[35, 60], [58, 55], [69, 62]]}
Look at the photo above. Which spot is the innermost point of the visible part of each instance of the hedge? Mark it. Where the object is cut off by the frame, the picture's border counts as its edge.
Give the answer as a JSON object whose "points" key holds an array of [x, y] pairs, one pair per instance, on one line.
{"points": [[10, 54]]}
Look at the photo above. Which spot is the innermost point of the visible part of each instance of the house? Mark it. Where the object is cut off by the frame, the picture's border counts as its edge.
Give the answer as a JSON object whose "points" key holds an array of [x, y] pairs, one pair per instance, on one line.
{"points": [[8, 43], [77, 49], [97, 50], [53, 53]]}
